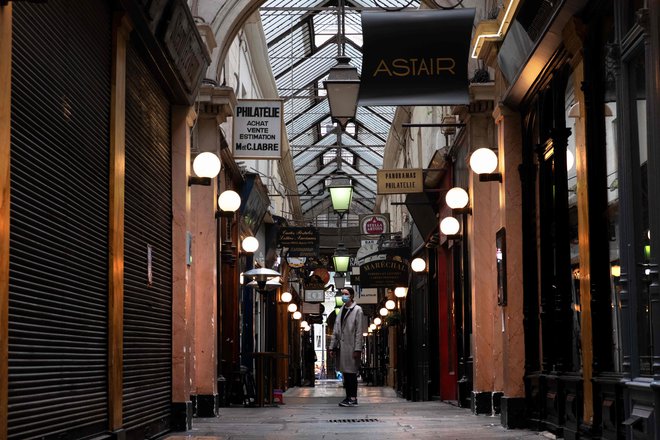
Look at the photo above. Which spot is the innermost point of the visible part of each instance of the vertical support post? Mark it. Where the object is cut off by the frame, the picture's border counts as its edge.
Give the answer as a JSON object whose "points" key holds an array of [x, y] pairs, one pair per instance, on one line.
{"points": [[182, 307], [120, 32], [5, 139]]}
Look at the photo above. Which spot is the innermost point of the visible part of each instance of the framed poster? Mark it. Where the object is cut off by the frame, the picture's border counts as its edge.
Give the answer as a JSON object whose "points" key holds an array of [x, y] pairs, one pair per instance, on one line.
{"points": [[500, 255]]}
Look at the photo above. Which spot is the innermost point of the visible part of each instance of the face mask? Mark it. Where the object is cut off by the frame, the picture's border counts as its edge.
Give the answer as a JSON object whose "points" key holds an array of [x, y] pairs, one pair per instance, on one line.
{"points": [[345, 298]]}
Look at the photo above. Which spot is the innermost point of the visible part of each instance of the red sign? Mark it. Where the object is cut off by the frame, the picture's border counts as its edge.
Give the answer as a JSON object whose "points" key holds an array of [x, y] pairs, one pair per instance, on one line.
{"points": [[374, 226]]}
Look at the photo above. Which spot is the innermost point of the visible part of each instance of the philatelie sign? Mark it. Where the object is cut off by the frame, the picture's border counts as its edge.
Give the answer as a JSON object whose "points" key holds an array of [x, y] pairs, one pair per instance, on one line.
{"points": [[415, 57], [258, 129], [400, 181]]}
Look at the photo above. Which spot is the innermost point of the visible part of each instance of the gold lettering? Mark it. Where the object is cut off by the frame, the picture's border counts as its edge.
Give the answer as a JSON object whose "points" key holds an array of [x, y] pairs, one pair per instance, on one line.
{"points": [[450, 64], [422, 67], [402, 67], [382, 67]]}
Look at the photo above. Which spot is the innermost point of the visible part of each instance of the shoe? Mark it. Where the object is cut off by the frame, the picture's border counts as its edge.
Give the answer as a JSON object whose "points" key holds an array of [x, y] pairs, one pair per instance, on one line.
{"points": [[352, 402], [345, 402]]}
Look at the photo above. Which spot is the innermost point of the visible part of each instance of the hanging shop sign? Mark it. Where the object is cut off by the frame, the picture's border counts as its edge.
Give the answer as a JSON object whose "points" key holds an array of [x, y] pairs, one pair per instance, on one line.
{"points": [[315, 290], [384, 273], [372, 226], [258, 129], [415, 57], [301, 241], [367, 296], [401, 181]]}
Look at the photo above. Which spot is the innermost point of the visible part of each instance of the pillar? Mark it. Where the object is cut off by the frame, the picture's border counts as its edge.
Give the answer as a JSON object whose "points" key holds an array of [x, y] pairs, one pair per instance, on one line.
{"points": [[509, 141]]}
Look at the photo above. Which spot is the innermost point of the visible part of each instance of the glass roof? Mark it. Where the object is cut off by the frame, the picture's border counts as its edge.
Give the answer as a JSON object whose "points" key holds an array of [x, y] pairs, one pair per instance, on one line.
{"points": [[302, 38]]}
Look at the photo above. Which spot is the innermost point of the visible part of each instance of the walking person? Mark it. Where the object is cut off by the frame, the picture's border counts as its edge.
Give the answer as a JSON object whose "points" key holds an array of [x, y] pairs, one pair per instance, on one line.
{"points": [[347, 343]]}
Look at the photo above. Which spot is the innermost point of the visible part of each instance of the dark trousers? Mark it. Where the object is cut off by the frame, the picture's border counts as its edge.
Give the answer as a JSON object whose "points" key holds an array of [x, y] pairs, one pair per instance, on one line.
{"points": [[350, 383]]}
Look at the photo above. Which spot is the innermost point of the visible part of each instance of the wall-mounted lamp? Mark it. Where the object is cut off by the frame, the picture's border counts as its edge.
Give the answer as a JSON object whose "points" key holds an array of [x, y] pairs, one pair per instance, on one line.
{"points": [[372, 327], [378, 321], [341, 258], [250, 245], [292, 307], [206, 166], [483, 162], [390, 304], [297, 315], [304, 324], [228, 202], [418, 265], [286, 297], [401, 292], [383, 311], [450, 227], [458, 199]]}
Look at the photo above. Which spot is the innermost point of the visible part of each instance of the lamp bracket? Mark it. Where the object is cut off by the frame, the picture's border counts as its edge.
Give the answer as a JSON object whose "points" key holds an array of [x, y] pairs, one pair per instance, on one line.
{"points": [[490, 177], [459, 211], [194, 180]]}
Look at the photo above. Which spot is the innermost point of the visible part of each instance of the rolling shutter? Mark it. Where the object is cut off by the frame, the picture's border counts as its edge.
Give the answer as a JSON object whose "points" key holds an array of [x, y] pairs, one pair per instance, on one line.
{"points": [[59, 218], [148, 231]]}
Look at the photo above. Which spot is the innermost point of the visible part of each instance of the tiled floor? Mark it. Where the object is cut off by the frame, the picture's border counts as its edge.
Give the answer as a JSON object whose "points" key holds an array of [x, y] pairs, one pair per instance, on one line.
{"points": [[313, 413]]}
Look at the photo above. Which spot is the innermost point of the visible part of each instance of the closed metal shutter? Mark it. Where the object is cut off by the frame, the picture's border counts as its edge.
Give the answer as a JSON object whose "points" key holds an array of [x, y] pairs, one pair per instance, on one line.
{"points": [[59, 220], [148, 225]]}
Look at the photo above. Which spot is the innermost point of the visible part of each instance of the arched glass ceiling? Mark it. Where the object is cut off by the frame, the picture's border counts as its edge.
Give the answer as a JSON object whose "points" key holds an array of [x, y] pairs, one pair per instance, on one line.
{"points": [[302, 46]]}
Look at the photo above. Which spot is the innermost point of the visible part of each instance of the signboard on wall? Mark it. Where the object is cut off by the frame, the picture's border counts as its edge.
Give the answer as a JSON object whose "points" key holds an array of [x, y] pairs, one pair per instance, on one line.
{"points": [[400, 181], [258, 129]]}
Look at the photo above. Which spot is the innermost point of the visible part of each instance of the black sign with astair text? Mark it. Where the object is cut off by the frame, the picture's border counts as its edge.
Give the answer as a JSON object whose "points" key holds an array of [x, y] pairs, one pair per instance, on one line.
{"points": [[415, 57]]}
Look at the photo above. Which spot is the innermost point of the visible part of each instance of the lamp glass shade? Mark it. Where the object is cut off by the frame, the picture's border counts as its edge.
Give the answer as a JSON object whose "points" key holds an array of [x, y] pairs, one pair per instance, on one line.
{"points": [[297, 315], [418, 265], [390, 304], [341, 193], [206, 165], [342, 87], [292, 307], [340, 281], [570, 160], [457, 198], [286, 297], [483, 161], [449, 226], [383, 311], [401, 292], [378, 321], [369, 329], [372, 326], [304, 324], [229, 201], [250, 244], [307, 328], [341, 258]]}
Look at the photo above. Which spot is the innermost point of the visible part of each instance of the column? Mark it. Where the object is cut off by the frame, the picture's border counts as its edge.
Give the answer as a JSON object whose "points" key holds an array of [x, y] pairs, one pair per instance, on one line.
{"points": [[509, 140]]}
